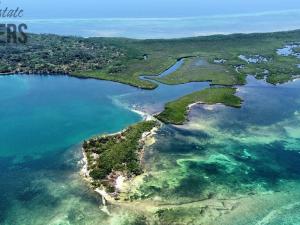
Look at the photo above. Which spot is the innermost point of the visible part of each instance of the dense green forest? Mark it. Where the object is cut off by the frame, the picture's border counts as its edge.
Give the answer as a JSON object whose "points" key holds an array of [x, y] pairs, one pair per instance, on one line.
{"points": [[57, 54]]}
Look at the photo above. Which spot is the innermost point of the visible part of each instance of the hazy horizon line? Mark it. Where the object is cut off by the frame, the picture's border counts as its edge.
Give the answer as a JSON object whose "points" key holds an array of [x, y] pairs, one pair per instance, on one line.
{"points": [[229, 15]]}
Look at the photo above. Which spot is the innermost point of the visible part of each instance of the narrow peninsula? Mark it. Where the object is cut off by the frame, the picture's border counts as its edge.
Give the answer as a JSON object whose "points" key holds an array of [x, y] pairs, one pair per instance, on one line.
{"points": [[175, 112], [110, 156]]}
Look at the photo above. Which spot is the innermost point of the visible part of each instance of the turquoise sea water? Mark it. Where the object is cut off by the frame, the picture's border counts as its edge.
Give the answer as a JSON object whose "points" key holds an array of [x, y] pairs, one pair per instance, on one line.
{"points": [[43, 120], [239, 160], [56, 112]]}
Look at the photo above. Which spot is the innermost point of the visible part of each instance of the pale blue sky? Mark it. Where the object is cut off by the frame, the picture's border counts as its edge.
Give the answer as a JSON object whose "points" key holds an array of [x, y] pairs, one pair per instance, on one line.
{"points": [[144, 8]]}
